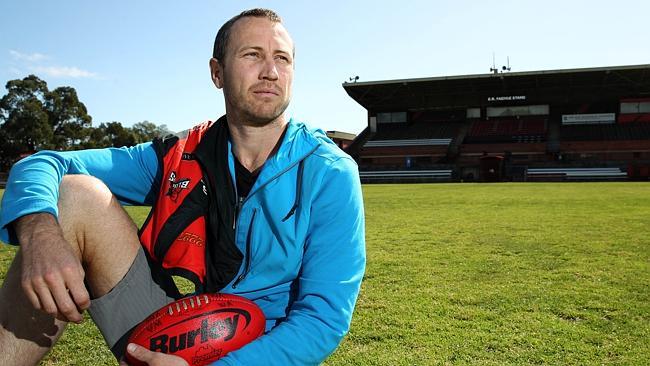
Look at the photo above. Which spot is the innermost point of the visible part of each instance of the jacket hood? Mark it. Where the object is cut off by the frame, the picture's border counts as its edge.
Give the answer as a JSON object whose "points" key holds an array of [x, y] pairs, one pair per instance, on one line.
{"points": [[299, 141]]}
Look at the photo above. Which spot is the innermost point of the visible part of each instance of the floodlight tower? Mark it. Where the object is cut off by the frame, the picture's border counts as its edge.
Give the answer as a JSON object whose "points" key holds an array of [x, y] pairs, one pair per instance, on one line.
{"points": [[505, 68], [494, 69]]}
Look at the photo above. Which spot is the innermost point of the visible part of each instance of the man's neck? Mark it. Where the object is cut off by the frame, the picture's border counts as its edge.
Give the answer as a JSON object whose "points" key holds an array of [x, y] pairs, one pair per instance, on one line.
{"points": [[253, 145]]}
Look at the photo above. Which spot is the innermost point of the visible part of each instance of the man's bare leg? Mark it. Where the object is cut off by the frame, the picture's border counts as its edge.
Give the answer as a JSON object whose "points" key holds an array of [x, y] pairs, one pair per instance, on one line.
{"points": [[104, 239]]}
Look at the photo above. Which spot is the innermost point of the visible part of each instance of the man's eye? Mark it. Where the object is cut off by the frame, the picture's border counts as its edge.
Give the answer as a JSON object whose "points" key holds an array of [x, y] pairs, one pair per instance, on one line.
{"points": [[282, 58], [251, 54]]}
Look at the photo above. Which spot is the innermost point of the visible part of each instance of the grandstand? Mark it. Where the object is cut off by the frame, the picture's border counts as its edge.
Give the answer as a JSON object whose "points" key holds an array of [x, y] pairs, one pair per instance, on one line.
{"points": [[556, 125]]}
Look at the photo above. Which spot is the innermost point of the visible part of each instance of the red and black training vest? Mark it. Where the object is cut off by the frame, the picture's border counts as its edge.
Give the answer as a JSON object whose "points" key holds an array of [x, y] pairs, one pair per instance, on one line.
{"points": [[189, 229]]}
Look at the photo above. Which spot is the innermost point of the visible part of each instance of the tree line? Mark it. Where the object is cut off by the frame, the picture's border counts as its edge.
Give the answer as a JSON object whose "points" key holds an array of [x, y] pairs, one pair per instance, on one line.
{"points": [[34, 118]]}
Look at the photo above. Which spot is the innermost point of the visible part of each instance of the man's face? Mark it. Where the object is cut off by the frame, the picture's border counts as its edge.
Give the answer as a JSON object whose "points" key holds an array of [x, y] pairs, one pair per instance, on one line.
{"points": [[257, 71]]}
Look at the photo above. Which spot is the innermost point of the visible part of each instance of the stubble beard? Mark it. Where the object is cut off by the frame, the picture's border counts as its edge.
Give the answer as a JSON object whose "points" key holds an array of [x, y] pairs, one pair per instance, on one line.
{"points": [[257, 113], [263, 118], [246, 109]]}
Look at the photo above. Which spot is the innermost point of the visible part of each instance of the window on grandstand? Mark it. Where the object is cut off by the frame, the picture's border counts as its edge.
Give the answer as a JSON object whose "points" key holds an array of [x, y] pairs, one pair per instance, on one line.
{"points": [[473, 112], [520, 110], [391, 117], [635, 107]]}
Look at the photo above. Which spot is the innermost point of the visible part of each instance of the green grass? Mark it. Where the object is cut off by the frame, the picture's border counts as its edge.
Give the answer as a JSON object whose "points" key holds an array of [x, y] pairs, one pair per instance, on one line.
{"points": [[487, 274]]}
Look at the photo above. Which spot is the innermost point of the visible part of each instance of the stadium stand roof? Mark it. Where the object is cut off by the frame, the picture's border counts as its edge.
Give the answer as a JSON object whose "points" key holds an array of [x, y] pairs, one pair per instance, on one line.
{"points": [[341, 135], [584, 85]]}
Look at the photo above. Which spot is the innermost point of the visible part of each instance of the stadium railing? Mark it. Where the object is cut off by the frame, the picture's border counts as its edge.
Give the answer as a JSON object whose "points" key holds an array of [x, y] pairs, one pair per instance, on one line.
{"points": [[407, 142], [405, 175], [575, 174]]}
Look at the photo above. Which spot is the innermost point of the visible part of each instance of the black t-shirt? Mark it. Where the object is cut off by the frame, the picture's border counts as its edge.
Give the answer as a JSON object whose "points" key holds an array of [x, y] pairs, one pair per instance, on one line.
{"points": [[244, 178]]}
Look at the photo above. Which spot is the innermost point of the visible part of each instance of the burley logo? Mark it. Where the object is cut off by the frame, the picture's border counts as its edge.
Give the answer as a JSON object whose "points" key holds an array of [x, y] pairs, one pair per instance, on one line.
{"points": [[175, 187], [224, 328]]}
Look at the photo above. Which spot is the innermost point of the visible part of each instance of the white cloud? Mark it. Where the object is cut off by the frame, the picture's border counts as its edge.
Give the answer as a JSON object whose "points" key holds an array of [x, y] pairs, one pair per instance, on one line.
{"points": [[14, 71], [33, 57], [33, 62], [64, 71]]}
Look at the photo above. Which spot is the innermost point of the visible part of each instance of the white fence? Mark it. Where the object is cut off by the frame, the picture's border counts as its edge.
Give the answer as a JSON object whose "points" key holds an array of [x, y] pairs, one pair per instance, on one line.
{"points": [[578, 173], [415, 142], [387, 175]]}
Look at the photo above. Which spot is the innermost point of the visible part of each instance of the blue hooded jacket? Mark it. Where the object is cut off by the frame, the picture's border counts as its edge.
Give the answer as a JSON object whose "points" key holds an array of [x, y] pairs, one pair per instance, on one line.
{"points": [[305, 273]]}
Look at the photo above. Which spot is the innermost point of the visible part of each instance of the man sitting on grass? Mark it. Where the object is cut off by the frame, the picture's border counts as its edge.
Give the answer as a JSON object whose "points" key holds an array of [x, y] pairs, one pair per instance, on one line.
{"points": [[253, 204]]}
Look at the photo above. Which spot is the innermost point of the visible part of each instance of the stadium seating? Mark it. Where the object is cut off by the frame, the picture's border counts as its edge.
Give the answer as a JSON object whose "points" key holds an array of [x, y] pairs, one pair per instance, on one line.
{"points": [[436, 135], [478, 149], [420, 130], [610, 146], [511, 130], [619, 131], [634, 117], [526, 140]]}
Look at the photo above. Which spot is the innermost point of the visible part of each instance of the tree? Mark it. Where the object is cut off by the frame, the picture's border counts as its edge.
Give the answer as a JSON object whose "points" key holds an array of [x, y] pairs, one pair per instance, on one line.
{"points": [[32, 118], [146, 131], [68, 117], [27, 128], [24, 122], [116, 135], [19, 91]]}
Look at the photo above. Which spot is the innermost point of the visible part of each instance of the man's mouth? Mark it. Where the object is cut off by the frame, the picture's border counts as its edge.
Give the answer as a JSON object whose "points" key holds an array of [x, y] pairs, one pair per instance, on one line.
{"points": [[266, 93]]}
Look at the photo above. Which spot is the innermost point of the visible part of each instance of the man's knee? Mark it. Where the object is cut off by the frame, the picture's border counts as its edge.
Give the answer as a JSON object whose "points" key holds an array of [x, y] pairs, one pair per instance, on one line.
{"points": [[82, 190], [86, 206], [83, 198], [93, 221]]}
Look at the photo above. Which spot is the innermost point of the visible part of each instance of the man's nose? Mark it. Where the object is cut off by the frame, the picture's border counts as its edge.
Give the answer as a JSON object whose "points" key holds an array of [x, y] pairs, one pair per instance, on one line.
{"points": [[269, 70]]}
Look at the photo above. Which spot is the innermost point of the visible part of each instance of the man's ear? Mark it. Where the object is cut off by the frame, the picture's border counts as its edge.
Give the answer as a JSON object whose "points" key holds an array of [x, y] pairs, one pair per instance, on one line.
{"points": [[216, 73]]}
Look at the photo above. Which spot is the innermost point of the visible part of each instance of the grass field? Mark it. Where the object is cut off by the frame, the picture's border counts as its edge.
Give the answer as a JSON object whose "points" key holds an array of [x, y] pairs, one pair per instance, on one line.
{"points": [[490, 274]]}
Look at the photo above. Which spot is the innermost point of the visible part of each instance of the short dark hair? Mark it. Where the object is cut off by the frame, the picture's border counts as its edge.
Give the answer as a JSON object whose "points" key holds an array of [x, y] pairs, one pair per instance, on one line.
{"points": [[223, 36]]}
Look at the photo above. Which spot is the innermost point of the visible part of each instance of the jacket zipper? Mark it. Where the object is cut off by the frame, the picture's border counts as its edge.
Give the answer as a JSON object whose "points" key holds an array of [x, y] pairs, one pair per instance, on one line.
{"points": [[247, 259], [240, 202]]}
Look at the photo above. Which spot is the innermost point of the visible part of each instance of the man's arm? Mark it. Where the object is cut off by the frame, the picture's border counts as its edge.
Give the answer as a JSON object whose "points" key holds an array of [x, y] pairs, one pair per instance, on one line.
{"points": [[52, 274], [331, 274], [33, 184]]}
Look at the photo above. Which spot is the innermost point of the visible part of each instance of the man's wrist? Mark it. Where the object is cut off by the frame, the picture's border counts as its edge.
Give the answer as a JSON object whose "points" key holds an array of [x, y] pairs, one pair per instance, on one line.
{"points": [[26, 226]]}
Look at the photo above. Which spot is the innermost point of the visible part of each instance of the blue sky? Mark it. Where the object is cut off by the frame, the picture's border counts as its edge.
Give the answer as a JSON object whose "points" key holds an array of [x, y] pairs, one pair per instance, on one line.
{"points": [[148, 60]]}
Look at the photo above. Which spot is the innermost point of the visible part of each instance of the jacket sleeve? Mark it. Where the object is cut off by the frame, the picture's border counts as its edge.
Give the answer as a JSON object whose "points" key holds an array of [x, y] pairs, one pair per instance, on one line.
{"points": [[329, 282], [33, 184]]}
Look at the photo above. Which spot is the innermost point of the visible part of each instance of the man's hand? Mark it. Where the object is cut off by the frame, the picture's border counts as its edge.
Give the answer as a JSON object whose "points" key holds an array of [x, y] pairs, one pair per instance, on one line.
{"points": [[52, 275], [153, 358]]}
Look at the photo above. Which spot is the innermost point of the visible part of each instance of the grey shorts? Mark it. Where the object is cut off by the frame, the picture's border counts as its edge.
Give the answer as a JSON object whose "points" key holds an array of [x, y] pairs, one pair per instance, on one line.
{"points": [[144, 289]]}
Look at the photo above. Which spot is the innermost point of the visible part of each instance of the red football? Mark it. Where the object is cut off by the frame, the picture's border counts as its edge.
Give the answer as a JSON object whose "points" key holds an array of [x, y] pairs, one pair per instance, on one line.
{"points": [[200, 328]]}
